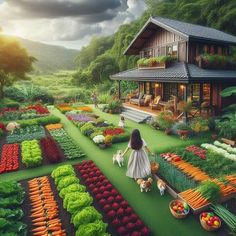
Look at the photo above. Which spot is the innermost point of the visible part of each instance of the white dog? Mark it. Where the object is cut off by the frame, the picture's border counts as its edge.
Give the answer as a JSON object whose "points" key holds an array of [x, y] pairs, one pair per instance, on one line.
{"points": [[161, 186], [118, 158], [145, 185]]}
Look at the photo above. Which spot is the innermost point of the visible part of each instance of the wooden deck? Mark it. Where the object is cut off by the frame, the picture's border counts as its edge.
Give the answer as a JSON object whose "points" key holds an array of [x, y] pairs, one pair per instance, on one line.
{"points": [[145, 109], [148, 110]]}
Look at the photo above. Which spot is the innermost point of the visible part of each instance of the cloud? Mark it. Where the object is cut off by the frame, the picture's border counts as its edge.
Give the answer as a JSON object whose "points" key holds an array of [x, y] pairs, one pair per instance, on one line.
{"points": [[31, 9], [70, 23]]}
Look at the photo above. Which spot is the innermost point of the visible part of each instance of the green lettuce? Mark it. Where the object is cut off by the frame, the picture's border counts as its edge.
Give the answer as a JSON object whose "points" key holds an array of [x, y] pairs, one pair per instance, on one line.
{"points": [[62, 171], [85, 216], [71, 189], [97, 228], [75, 202], [66, 181]]}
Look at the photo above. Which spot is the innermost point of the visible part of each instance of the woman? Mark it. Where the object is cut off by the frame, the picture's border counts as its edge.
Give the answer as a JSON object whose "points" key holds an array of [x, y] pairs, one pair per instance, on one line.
{"points": [[94, 99], [139, 164]]}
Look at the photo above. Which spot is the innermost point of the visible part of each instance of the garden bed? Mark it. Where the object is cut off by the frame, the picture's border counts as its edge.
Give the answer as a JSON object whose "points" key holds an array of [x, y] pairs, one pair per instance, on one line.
{"points": [[100, 131]]}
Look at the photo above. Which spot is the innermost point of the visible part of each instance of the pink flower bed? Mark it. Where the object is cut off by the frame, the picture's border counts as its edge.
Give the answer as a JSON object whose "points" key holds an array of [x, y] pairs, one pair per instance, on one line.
{"points": [[116, 209]]}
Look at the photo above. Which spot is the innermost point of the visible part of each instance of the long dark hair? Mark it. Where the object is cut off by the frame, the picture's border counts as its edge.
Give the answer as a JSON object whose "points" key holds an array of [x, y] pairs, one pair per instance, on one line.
{"points": [[136, 141]]}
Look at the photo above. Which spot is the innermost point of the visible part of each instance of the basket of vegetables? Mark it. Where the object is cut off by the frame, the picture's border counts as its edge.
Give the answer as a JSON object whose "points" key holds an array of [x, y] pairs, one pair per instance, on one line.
{"points": [[209, 221], [179, 209]]}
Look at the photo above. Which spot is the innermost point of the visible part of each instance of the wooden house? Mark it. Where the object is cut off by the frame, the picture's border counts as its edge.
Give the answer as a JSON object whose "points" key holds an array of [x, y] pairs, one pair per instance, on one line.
{"points": [[183, 78]]}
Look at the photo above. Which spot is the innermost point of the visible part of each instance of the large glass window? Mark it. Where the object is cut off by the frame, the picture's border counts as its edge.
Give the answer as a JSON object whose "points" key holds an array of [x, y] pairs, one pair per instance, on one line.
{"points": [[195, 94]]}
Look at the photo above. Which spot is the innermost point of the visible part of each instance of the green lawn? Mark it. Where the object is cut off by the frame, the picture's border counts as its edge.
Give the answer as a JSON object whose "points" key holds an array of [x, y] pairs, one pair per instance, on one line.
{"points": [[151, 207]]}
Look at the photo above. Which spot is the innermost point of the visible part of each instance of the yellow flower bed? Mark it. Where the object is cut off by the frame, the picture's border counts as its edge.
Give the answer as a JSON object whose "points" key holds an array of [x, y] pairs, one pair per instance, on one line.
{"points": [[53, 126]]}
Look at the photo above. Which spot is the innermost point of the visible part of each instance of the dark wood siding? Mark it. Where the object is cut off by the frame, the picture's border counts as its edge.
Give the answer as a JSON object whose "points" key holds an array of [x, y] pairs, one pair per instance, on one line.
{"points": [[159, 41], [195, 49], [182, 51]]}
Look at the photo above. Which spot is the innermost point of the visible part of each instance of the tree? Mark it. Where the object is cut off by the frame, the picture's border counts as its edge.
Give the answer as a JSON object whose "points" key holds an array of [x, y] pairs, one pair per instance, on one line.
{"points": [[14, 62]]}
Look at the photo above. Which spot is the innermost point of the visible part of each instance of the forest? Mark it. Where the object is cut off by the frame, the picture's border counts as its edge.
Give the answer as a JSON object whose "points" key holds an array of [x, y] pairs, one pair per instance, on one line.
{"points": [[103, 56]]}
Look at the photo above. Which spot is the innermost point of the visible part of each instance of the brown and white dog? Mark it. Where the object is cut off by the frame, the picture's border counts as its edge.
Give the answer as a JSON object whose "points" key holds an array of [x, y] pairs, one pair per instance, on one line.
{"points": [[145, 185], [161, 186]]}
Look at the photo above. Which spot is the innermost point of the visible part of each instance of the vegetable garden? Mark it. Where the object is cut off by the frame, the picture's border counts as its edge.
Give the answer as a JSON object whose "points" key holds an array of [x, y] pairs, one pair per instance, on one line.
{"points": [[82, 200]]}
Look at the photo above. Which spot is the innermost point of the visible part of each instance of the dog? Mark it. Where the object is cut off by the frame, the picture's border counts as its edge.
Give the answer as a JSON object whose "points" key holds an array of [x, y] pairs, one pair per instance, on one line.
{"points": [[118, 158], [161, 186], [145, 185]]}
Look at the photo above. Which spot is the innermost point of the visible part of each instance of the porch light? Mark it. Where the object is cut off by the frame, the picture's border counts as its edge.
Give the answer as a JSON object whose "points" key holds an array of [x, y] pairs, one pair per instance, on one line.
{"points": [[182, 87], [156, 85]]}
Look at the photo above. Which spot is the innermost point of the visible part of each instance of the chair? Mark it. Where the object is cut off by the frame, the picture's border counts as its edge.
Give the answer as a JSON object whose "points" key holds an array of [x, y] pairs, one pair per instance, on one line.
{"points": [[155, 103]]}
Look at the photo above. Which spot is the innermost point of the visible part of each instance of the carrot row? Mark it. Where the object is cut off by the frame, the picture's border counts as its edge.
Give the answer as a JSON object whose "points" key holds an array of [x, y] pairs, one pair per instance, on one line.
{"points": [[225, 189], [192, 171], [44, 211], [193, 198]]}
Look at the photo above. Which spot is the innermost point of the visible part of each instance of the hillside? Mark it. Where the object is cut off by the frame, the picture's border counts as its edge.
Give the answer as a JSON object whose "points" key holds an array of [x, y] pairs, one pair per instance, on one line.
{"points": [[50, 58]]}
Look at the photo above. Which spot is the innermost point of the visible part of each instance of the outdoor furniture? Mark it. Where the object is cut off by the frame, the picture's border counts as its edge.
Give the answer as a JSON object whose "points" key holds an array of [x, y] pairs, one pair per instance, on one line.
{"points": [[155, 103], [142, 100]]}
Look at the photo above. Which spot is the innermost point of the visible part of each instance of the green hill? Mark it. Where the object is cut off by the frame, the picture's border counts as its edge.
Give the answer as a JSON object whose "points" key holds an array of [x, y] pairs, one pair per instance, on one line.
{"points": [[50, 58]]}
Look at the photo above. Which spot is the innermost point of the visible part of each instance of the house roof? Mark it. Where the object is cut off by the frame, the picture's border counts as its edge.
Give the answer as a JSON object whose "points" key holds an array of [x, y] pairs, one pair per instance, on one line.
{"points": [[186, 30], [179, 72]]}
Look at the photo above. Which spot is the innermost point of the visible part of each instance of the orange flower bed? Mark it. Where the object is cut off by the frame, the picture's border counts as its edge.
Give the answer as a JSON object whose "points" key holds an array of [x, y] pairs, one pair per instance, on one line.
{"points": [[53, 126], [190, 170], [85, 108]]}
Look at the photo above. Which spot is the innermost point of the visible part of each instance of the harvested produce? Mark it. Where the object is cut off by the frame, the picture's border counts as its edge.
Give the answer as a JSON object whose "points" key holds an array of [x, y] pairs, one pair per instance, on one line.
{"points": [[193, 198], [210, 221], [179, 209], [44, 213], [228, 217]]}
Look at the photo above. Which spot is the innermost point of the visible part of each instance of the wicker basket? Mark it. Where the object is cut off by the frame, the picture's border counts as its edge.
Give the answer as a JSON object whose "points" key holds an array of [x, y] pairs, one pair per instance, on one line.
{"points": [[175, 214], [206, 226]]}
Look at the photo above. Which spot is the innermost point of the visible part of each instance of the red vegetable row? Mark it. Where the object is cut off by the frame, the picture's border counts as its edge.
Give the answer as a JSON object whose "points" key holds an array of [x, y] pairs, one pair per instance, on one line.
{"points": [[112, 132], [116, 209], [50, 149], [38, 108], [9, 158], [197, 151]]}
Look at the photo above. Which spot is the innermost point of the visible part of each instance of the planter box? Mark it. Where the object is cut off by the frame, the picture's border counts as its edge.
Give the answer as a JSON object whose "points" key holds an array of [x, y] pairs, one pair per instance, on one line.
{"points": [[162, 65], [215, 65], [207, 206]]}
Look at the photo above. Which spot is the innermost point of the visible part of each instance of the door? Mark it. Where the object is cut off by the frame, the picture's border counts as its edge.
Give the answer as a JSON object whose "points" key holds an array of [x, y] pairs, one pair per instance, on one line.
{"points": [[169, 89]]}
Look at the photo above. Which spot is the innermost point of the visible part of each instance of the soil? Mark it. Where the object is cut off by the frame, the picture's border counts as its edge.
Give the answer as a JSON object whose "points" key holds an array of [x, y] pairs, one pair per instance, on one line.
{"points": [[63, 214]]}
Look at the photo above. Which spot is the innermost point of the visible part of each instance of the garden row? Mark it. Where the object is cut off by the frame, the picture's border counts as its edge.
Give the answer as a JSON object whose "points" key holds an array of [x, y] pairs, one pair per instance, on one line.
{"points": [[32, 146], [99, 214], [11, 197], [101, 132], [202, 176]]}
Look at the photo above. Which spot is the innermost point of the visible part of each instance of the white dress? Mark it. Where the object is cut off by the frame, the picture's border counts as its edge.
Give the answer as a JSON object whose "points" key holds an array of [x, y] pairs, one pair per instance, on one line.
{"points": [[121, 124], [138, 164]]}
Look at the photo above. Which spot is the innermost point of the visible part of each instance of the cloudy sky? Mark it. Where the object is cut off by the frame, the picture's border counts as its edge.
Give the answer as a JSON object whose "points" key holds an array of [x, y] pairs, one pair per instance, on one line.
{"points": [[70, 23]]}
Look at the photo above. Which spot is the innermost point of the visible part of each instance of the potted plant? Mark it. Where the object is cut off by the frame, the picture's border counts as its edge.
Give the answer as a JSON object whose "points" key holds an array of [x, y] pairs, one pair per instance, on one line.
{"points": [[108, 141], [183, 130], [166, 120]]}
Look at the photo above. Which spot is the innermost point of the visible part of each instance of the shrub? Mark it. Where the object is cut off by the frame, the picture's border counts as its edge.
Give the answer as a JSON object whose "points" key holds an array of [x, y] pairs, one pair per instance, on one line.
{"points": [[121, 138], [199, 125], [40, 121], [15, 105], [1, 132], [104, 98], [165, 119], [87, 128]]}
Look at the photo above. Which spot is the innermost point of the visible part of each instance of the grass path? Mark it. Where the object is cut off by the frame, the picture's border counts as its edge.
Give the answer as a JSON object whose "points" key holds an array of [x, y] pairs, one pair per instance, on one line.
{"points": [[151, 207]]}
